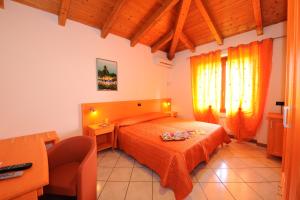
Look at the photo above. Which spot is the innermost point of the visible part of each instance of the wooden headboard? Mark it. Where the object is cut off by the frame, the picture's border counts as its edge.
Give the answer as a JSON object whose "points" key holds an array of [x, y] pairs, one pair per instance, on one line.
{"points": [[93, 113]]}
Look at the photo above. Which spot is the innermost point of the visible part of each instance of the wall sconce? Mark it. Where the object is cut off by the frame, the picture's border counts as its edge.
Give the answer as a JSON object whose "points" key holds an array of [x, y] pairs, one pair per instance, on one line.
{"points": [[92, 110], [167, 103], [166, 106]]}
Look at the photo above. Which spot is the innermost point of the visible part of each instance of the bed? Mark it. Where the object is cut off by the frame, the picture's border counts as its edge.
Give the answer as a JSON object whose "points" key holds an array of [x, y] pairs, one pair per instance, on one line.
{"points": [[140, 137]]}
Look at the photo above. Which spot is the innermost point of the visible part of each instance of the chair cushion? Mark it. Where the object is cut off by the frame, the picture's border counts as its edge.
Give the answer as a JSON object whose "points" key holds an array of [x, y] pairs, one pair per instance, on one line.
{"points": [[63, 179]]}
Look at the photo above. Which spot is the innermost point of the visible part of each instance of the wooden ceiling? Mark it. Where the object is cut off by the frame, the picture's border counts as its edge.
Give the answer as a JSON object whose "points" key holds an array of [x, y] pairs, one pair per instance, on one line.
{"points": [[167, 25]]}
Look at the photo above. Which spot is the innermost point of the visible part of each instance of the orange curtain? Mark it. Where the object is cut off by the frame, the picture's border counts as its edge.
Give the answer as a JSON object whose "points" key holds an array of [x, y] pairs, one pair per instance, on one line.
{"points": [[206, 86], [247, 79]]}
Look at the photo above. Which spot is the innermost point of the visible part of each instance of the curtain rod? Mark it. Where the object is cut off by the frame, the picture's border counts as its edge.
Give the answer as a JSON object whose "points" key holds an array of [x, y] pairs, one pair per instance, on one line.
{"points": [[223, 49]]}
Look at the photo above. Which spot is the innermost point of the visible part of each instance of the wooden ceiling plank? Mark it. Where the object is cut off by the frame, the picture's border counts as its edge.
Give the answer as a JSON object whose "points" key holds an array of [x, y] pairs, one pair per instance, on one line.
{"points": [[187, 42], [162, 41], [207, 18], [2, 4], [183, 12], [64, 11], [167, 5], [258, 16], [112, 18]]}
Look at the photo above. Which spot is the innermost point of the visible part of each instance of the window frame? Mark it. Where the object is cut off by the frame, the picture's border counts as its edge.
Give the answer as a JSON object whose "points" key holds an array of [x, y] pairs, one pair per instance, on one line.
{"points": [[223, 84]]}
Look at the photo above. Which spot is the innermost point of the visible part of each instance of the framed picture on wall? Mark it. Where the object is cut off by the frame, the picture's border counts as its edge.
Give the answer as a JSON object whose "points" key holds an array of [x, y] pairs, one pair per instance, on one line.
{"points": [[107, 76]]}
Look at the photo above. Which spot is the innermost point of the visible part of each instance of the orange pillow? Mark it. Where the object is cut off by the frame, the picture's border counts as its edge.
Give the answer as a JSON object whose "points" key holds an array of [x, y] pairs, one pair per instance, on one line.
{"points": [[141, 118]]}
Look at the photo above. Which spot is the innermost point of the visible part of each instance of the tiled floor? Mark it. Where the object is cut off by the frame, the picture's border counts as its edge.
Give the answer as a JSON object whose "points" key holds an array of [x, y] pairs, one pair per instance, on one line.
{"points": [[236, 171]]}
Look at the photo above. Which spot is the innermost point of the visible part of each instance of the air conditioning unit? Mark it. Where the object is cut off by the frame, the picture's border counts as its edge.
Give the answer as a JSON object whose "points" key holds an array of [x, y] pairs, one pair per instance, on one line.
{"points": [[164, 62]]}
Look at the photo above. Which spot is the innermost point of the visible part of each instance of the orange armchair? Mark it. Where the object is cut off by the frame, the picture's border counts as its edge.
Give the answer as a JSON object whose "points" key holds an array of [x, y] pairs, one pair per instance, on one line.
{"points": [[73, 168]]}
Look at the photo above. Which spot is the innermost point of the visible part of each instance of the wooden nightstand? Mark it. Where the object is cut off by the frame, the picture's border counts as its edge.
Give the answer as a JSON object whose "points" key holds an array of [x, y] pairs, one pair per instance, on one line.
{"points": [[172, 113], [275, 134], [104, 135]]}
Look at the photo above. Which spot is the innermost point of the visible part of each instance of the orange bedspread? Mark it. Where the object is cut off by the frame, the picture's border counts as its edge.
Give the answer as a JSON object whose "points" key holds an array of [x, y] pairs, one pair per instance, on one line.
{"points": [[172, 160]]}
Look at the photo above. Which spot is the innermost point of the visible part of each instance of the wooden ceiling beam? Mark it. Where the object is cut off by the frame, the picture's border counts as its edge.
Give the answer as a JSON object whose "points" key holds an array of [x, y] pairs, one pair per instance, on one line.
{"points": [[162, 41], [63, 12], [183, 12], [257, 16], [210, 23], [112, 18], [167, 5], [168, 37], [2, 4], [187, 42]]}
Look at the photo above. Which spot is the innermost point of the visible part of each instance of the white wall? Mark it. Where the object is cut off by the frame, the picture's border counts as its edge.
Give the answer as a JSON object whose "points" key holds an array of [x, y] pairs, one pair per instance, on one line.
{"points": [[47, 71], [180, 83]]}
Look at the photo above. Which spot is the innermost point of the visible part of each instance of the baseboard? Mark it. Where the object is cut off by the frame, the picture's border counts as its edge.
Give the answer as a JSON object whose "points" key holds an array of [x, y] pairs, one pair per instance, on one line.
{"points": [[261, 144], [252, 141]]}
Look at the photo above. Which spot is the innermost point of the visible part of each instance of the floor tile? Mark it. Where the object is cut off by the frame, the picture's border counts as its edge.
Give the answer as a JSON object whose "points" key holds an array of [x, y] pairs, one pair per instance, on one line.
{"points": [[244, 169], [216, 191], [137, 164], [270, 162], [141, 174], [267, 191], [103, 173], [197, 193], [270, 174], [227, 175], [100, 186], [194, 177], [249, 175], [217, 164], [108, 162], [239, 153], [99, 157], [253, 162], [114, 191], [120, 174], [234, 162], [139, 191], [162, 193], [112, 154], [125, 161], [155, 177], [206, 175], [241, 191]]}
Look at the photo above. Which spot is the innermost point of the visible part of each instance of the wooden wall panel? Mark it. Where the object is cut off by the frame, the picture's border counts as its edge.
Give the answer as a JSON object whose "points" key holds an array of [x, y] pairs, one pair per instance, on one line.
{"points": [[152, 19], [64, 12], [112, 17], [120, 109], [273, 11], [129, 22], [51, 6], [257, 16], [182, 14], [92, 13], [231, 17], [161, 28]]}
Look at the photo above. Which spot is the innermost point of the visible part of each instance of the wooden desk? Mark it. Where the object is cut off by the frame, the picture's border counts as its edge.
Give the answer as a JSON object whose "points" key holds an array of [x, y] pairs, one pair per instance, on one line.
{"points": [[21, 150]]}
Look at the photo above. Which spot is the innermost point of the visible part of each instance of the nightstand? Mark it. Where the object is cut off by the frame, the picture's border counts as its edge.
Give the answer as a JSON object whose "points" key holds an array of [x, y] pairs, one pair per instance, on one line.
{"points": [[172, 113], [275, 134], [104, 135]]}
